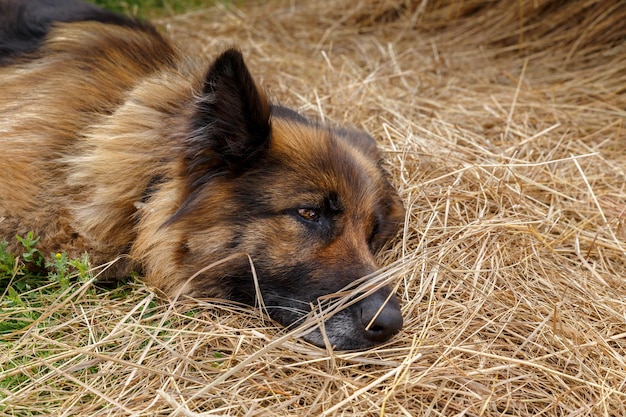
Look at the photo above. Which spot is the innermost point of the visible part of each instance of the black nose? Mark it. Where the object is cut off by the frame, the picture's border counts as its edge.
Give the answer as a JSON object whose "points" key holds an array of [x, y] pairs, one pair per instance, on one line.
{"points": [[381, 318]]}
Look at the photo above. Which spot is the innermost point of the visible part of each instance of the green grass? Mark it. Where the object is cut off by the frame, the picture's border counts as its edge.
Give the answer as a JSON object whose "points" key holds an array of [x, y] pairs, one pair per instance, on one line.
{"points": [[26, 289], [29, 279], [33, 286]]}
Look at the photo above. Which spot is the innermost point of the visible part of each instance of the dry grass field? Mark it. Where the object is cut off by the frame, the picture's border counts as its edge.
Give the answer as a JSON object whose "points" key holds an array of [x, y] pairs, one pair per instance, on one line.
{"points": [[504, 128]]}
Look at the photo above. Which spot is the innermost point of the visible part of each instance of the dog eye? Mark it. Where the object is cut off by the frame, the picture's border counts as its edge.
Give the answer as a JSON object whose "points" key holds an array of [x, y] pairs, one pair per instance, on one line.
{"points": [[308, 214]]}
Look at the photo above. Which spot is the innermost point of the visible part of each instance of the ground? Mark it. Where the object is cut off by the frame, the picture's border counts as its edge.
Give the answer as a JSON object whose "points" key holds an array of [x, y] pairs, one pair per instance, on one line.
{"points": [[503, 127]]}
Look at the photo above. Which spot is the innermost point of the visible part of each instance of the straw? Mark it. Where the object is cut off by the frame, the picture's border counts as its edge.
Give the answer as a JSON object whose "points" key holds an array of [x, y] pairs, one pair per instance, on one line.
{"points": [[502, 124]]}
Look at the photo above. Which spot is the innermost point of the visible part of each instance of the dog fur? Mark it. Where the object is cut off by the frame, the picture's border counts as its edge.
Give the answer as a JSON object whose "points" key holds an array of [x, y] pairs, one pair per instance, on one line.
{"points": [[114, 143]]}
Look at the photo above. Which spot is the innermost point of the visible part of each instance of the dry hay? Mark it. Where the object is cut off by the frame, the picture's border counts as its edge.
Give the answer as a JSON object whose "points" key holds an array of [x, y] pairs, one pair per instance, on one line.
{"points": [[503, 123]]}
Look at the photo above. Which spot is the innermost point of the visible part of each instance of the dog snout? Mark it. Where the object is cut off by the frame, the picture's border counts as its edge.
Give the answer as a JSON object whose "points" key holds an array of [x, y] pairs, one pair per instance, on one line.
{"points": [[380, 316]]}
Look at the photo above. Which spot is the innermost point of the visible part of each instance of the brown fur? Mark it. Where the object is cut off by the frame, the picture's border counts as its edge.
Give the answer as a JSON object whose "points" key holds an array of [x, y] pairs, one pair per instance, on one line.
{"points": [[113, 143]]}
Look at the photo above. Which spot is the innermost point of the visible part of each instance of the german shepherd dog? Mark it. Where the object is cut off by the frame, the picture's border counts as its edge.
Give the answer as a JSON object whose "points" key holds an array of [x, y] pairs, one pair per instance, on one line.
{"points": [[113, 143]]}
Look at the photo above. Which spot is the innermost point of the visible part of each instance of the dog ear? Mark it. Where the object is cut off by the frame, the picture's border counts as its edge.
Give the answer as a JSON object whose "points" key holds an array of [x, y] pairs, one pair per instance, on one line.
{"points": [[231, 126]]}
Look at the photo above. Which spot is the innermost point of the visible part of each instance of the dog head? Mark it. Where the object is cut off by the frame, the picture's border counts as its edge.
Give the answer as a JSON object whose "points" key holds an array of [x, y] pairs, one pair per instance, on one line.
{"points": [[309, 204]]}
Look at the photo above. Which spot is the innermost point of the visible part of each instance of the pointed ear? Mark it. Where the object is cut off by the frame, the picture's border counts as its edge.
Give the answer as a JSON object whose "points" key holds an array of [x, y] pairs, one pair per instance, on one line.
{"points": [[231, 125]]}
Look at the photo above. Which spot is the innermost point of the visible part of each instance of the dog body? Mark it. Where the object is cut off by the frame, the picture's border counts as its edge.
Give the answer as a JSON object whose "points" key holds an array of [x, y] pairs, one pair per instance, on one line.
{"points": [[113, 143]]}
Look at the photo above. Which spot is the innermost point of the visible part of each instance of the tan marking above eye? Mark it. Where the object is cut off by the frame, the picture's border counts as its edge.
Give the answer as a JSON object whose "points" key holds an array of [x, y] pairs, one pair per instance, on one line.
{"points": [[308, 214]]}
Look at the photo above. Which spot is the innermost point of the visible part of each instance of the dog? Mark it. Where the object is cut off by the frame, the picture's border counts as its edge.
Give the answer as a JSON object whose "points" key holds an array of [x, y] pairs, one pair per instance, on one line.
{"points": [[115, 143]]}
